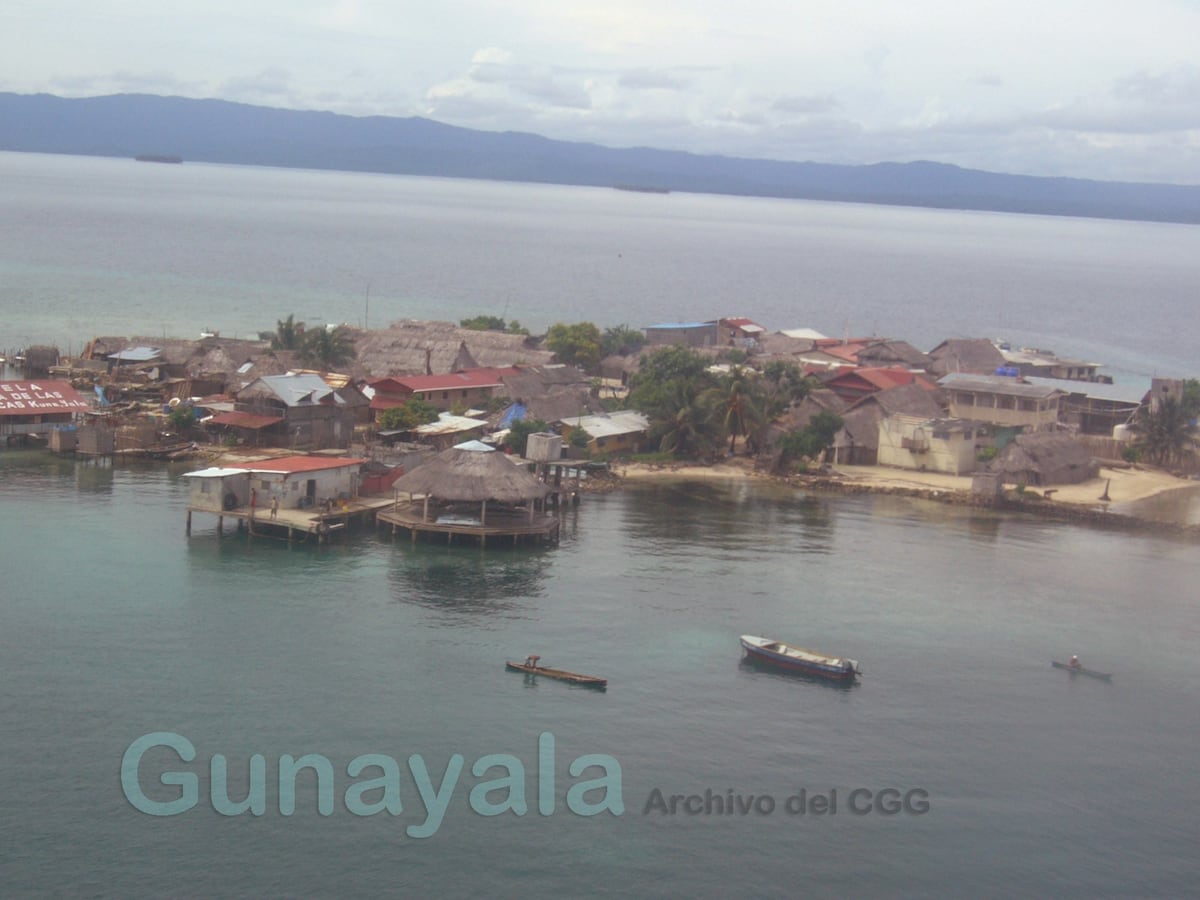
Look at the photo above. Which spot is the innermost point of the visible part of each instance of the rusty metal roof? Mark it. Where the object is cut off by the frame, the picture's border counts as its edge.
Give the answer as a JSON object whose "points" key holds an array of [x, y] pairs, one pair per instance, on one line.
{"points": [[288, 465]]}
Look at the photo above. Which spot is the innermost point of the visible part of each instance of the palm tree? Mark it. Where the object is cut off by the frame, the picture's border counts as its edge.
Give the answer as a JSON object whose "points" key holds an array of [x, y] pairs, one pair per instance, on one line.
{"points": [[327, 348], [736, 404], [288, 334], [1165, 432], [684, 425]]}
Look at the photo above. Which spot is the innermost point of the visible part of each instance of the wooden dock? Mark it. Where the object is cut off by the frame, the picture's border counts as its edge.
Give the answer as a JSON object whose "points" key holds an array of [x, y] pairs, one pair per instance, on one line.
{"points": [[500, 525], [297, 525]]}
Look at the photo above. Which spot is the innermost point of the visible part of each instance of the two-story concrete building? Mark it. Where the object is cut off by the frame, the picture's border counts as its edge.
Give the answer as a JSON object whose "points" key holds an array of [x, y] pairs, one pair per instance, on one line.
{"points": [[1002, 400]]}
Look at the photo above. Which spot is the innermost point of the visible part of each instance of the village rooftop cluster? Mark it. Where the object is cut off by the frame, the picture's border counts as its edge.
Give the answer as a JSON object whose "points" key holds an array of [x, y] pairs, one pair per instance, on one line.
{"points": [[981, 407]]}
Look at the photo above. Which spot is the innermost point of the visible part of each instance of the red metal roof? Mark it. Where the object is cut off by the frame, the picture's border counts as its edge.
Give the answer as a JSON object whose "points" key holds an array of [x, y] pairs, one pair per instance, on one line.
{"points": [[468, 378], [289, 465], [879, 378], [244, 420], [388, 401], [39, 398]]}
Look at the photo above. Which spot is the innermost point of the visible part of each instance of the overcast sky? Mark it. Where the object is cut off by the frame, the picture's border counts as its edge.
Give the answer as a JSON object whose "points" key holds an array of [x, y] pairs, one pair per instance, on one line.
{"points": [[1106, 89]]}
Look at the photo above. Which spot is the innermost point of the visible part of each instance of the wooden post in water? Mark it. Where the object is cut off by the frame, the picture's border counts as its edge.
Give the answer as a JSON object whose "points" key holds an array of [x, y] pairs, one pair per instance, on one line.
{"points": [[189, 523]]}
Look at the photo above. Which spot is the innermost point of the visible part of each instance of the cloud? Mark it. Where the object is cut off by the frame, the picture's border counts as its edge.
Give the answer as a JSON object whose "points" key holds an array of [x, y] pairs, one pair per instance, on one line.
{"points": [[124, 81], [650, 79], [1179, 84], [495, 79], [806, 105], [270, 83]]}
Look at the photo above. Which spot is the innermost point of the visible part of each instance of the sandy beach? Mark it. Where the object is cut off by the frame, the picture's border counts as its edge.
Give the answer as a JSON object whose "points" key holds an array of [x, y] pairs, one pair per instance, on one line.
{"points": [[1123, 485]]}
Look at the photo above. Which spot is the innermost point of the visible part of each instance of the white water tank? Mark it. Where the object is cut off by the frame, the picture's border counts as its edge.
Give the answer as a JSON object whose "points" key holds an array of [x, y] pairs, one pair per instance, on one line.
{"points": [[544, 446]]}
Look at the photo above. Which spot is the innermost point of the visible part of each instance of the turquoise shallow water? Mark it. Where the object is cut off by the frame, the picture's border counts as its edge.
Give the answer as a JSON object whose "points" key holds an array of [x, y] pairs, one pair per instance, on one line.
{"points": [[114, 624]]}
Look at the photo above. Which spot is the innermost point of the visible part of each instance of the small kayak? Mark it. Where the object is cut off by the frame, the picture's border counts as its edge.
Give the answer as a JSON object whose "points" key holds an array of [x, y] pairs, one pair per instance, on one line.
{"points": [[1080, 670]]}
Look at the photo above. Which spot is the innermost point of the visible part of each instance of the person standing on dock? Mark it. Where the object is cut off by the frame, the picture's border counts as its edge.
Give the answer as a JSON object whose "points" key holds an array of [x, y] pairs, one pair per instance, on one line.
{"points": [[274, 507]]}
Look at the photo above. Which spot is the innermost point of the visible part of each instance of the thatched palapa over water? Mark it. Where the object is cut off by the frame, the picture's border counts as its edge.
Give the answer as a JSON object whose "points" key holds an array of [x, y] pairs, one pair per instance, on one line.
{"points": [[459, 474]]}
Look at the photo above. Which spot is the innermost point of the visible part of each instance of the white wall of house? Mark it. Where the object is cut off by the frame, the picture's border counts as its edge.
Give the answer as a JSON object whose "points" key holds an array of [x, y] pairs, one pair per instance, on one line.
{"points": [[293, 488], [911, 443], [208, 491]]}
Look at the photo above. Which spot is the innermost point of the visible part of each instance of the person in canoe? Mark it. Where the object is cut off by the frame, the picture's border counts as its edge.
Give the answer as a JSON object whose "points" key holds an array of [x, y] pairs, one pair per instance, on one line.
{"points": [[532, 660], [1074, 663]]}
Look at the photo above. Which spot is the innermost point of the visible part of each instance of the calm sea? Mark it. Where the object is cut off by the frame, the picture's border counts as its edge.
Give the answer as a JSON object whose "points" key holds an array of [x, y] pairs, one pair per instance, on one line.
{"points": [[115, 625], [107, 246]]}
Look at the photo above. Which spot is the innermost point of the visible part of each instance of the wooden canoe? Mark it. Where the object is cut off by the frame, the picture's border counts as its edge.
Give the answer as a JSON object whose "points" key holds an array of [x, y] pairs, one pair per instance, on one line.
{"points": [[559, 674], [1080, 670]]}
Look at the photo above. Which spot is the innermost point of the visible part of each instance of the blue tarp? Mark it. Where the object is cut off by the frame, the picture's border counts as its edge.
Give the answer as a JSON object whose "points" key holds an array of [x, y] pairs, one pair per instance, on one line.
{"points": [[514, 413]]}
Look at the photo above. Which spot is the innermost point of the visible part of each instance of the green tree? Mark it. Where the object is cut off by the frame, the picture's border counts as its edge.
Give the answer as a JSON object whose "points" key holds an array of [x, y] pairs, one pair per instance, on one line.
{"points": [[1164, 432], [784, 384], [578, 344], [519, 432], [288, 334], [483, 323], [684, 425], [622, 341], [736, 405], [668, 388], [412, 413], [1191, 398], [659, 369], [327, 348], [182, 418], [811, 440]]}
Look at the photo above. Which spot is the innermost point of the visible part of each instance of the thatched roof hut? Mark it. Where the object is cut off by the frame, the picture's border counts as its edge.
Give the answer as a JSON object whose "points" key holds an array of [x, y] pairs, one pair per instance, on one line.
{"points": [[1045, 457], [475, 476], [975, 356], [411, 347]]}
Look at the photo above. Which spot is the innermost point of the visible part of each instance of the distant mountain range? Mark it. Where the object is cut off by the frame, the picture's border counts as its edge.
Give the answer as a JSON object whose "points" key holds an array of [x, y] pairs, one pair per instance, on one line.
{"points": [[217, 131]]}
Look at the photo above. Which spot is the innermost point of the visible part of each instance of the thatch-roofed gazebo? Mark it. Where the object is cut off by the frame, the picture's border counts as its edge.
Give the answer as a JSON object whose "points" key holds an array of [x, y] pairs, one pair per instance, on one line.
{"points": [[455, 489], [1044, 458]]}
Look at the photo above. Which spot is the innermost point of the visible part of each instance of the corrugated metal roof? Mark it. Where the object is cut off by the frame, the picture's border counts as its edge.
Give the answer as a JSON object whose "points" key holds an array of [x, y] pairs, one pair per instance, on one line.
{"points": [[295, 390], [287, 465], [804, 334], [215, 472], [1115, 393], [625, 422], [137, 354], [449, 424], [996, 384]]}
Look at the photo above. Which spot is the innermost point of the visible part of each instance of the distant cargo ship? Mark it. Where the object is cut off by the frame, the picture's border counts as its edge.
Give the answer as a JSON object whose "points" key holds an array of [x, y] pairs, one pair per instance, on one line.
{"points": [[158, 157]]}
